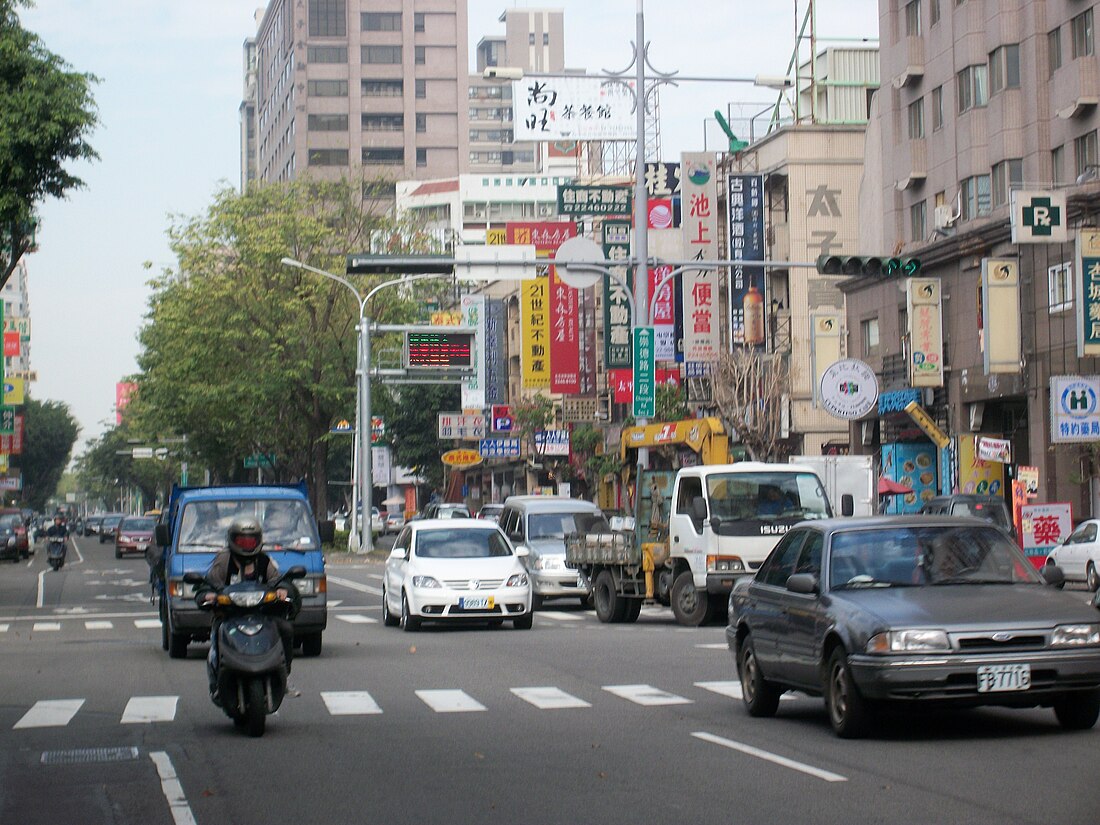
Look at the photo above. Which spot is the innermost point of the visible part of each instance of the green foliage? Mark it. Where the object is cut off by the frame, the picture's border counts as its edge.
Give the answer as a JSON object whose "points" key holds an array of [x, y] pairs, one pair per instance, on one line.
{"points": [[532, 415], [46, 114], [671, 403], [586, 440], [107, 466], [412, 424], [49, 432]]}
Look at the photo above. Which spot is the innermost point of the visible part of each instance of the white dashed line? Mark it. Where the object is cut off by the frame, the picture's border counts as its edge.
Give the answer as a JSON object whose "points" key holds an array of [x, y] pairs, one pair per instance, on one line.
{"points": [[767, 756]]}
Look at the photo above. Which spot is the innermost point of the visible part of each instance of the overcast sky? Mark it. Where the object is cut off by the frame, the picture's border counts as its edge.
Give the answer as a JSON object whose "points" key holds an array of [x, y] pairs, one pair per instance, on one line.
{"points": [[171, 81]]}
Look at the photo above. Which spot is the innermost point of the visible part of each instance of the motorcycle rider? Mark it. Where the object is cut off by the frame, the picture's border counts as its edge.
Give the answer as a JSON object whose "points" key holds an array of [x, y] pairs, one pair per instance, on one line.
{"points": [[244, 560], [59, 530]]}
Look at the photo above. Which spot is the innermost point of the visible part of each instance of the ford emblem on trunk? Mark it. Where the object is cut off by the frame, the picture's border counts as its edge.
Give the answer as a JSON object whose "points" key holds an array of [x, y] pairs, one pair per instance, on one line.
{"points": [[1003, 637]]}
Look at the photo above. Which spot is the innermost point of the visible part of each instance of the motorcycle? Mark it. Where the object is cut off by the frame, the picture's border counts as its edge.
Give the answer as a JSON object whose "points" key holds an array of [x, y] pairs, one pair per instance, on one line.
{"points": [[251, 667], [55, 553]]}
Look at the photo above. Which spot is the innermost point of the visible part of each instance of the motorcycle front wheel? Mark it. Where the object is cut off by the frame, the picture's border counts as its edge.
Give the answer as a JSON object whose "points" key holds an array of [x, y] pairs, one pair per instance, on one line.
{"points": [[255, 708]]}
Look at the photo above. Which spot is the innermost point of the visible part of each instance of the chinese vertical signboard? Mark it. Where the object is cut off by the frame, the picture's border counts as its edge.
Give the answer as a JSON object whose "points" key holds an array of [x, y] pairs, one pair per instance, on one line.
{"points": [[645, 386], [1000, 315], [925, 332], [565, 350], [473, 315], [616, 304], [1088, 287], [583, 108], [699, 226], [745, 205], [496, 365], [1074, 411], [664, 244]]}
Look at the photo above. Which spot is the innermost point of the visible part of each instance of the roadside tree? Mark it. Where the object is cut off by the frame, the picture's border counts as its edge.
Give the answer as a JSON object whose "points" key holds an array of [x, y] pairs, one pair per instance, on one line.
{"points": [[49, 432], [750, 390]]}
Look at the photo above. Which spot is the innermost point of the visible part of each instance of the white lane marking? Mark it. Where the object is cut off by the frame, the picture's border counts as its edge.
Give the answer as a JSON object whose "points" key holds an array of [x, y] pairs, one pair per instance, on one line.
{"points": [[646, 695], [549, 698], [378, 576], [44, 626], [172, 789], [449, 701], [559, 616], [348, 583], [349, 702], [76, 613], [335, 602], [355, 618], [41, 587], [79, 557], [721, 646], [767, 756], [4, 628], [50, 713], [143, 709], [733, 690], [146, 624], [99, 625]]}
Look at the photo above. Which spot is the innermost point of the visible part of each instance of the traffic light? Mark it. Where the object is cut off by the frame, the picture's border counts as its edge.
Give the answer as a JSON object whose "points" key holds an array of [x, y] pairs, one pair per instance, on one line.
{"points": [[869, 266]]}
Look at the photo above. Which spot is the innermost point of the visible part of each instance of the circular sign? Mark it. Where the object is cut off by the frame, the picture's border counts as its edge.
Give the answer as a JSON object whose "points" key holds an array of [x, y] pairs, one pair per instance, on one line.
{"points": [[579, 250], [849, 389], [461, 458], [1078, 399]]}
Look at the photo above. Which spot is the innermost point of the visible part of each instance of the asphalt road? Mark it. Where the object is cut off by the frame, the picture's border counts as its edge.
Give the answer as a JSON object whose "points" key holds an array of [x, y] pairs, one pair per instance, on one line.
{"points": [[569, 722]]}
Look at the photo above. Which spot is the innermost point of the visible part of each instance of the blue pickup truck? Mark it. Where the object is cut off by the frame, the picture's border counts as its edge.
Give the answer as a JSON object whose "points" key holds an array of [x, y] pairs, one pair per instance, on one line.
{"points": [[191, 531]]}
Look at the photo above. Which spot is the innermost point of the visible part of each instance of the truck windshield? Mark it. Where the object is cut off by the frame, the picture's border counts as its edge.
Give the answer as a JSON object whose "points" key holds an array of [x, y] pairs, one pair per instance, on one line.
{"points": [[286, 524], [766, 496]]}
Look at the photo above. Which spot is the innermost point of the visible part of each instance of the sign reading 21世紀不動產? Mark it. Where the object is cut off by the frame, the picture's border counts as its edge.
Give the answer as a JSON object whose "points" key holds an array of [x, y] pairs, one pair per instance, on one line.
{"points": [[585, 108]]}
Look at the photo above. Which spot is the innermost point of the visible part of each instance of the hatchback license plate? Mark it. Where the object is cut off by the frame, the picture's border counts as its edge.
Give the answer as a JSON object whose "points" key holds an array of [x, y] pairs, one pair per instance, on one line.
{"points": [[480, 603], [999, 678]]}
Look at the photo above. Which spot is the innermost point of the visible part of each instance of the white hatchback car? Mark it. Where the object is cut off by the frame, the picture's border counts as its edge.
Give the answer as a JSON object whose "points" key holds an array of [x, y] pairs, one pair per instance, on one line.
{"points": [[1079, 554], [446, 570]]}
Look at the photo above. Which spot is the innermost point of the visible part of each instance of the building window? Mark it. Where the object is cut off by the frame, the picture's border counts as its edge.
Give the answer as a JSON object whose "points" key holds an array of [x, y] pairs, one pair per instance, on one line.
{"points": [[380, 21], [420, 54], [328, 123], [937, 108], [1084, 154], [328, 157], [381, 55], [421, 157], [1081, 32], [912, 18], [1058, 164], [421, 89], [1007, 175], [1060, 286], [973, 87], [327, 54], [421, 122], [475, 157], [918, 222], [1004, 68], [868, 335], [383, 88], [383, 157], [418, 21], [531, 39], [383, 123], [378, 190], [328, 18], [916, 119], [327, 88], [933, 12], [976, 197], [1054, 50]]}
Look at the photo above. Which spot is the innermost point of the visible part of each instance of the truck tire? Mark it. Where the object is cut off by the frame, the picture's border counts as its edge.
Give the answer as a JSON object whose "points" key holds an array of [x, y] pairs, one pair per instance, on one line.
{"points": [[610, 606], [690, 606], [633, 610], [663, 589]]}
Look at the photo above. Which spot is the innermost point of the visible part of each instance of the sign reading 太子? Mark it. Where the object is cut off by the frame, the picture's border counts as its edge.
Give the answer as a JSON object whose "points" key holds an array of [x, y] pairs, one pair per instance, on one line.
{"points": [[581, 108], [849, 389], [1039, 217]]}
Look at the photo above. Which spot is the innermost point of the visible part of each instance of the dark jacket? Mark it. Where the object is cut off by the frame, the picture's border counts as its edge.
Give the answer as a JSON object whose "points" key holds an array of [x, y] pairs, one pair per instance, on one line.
{"points": [[224, 570], [57, 530]]}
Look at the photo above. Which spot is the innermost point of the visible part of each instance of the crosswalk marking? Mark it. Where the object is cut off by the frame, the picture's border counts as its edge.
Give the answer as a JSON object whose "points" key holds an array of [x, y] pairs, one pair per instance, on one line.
{"points": [[335, 602], [558, 615], [44, 626], [731, 689], [718, 646], [349, 702], [146, 624], [449, 701], [549, 698], [356, 618], [50, 713], [98, 625], [4, 628], [646, 695], [144, 709]]}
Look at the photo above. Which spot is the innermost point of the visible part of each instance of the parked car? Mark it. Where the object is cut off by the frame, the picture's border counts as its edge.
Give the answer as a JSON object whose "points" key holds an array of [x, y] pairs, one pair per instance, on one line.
{"points": [[9, 542], [1079, 555], [924, 610], [540, 524], [134, 535], [454, 569], [444, 509], [108, 526], [377, 523], [989, 508], [395, 521], [19, 531], [491, 512]]}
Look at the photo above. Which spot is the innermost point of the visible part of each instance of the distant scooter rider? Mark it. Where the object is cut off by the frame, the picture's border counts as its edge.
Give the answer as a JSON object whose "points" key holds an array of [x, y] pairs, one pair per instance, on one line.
{"points": [[57, 529], [243, 561]]}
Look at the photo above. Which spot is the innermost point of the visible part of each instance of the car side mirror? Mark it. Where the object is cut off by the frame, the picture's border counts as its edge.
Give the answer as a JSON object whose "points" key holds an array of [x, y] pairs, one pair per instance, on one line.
{"points": [[522, 552], [398, 553], [847, 505], [805, 583], [161, 535], [296, 572], [699, 508], [1053, 575], [194, 578]]}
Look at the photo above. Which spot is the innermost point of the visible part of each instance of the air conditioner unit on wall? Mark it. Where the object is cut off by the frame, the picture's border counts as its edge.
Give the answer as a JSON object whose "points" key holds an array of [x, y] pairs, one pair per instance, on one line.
{"points": [[943, 217]]}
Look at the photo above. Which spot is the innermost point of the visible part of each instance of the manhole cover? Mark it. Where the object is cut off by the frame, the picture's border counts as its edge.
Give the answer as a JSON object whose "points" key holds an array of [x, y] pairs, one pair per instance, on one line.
{"points": [[85, 756]]}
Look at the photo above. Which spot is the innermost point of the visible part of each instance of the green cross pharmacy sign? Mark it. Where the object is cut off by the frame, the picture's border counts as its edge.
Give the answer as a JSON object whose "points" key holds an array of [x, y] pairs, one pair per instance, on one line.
{"points": [[1039, 217]]}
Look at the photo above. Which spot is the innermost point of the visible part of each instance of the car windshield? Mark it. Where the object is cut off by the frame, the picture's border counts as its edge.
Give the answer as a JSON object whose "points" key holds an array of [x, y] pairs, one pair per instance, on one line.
{"points": [[926, 556], [461, 544], [995, 512], [9, 522], [140, 525], [766, 496], [560, 525], [286, 524], [111, 521]]}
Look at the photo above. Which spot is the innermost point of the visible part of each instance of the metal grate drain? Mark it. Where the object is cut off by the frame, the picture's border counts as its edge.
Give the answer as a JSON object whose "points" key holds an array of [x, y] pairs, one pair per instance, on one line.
{"points": [[85, 756]]}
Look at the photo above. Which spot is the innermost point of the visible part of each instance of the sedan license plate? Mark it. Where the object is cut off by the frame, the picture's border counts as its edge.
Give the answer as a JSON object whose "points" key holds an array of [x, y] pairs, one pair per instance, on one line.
{"points": [[999, 678], [143, 547], [478, 603]]}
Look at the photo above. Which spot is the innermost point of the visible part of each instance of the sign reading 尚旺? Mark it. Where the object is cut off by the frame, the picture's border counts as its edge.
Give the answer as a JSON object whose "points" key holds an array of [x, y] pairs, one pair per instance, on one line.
{"points": [[849, 389], [584, 108]]}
